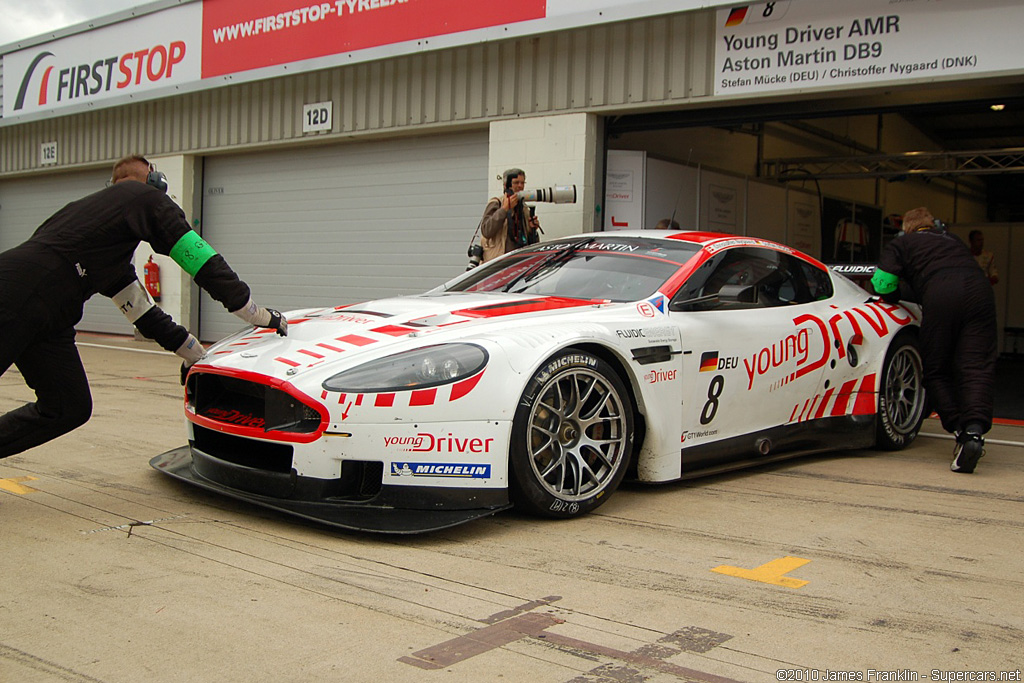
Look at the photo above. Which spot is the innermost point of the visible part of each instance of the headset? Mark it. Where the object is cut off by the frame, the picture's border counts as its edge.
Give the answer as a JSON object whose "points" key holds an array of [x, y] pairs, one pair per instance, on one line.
{"points": [[156, 178]]}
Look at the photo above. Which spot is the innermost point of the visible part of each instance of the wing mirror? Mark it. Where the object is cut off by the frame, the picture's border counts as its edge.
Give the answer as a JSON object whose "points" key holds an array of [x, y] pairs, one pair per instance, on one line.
{"points": [[740, 294], [733, 294]]}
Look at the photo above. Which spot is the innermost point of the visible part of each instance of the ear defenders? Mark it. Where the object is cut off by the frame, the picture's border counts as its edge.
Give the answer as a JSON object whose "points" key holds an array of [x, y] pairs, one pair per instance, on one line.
{"points": [[156, 178]]}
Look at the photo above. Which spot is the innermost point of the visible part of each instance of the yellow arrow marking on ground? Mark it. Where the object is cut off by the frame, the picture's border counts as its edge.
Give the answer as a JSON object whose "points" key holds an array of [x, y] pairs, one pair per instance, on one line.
{"points": [[13, 486], [773, 572]]}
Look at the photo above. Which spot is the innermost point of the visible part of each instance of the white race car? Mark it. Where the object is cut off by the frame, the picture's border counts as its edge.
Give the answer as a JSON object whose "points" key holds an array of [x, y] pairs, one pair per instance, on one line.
{"points": [[543, 378]]}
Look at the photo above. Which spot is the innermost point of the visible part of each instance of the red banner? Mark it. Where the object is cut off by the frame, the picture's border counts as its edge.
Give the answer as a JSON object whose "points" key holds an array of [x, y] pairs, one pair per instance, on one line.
{"points": [[239, 35]]}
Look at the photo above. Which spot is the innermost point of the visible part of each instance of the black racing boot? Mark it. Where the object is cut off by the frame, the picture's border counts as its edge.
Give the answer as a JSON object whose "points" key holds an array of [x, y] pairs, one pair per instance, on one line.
{"points": [[970, 446]]}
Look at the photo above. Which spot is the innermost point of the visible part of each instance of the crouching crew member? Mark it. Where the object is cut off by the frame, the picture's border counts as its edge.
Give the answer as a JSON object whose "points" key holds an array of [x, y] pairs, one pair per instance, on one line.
{"points": [[958, 330], [84, 249]]}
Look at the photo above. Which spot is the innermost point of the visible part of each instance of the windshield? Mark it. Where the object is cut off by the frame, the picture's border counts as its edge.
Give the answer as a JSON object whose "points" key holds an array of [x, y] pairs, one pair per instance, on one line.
{"points": [[596, 267]]}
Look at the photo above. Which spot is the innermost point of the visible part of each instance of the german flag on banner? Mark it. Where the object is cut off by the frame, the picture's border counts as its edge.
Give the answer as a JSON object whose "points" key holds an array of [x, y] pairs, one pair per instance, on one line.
{"points": [[754, 13], [736, 16], [709, 361]]}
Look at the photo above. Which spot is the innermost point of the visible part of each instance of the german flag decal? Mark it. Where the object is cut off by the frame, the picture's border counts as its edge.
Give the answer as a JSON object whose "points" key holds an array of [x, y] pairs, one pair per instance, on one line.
{"points": [[736, 16], [709, 361]]}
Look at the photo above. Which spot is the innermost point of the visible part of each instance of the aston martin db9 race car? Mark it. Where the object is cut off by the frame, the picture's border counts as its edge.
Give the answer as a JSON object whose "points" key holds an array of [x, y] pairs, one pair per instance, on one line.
{"points": [[544, 378]]}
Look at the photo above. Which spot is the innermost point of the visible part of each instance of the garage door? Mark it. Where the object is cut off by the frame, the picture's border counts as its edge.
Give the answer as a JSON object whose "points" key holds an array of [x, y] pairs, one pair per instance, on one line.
{"points": [[344, 223], [26, 202]]}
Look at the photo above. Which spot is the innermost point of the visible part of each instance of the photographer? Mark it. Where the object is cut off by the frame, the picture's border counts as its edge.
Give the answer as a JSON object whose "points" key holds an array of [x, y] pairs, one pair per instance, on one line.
{"points": [[507, 223]]}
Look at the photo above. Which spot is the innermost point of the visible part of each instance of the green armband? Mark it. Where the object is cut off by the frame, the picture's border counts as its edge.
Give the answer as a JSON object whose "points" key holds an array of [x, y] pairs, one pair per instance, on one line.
{"points": [[191, 252], [884, 282]]}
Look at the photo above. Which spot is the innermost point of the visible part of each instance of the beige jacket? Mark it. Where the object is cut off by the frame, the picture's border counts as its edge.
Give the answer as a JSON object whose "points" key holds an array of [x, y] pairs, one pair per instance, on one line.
{"points": [[494, 234]]}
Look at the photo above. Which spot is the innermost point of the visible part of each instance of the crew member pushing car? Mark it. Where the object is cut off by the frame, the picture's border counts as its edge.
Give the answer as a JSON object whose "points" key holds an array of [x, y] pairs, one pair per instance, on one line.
{"points": [[958, 331], [84, 249]]}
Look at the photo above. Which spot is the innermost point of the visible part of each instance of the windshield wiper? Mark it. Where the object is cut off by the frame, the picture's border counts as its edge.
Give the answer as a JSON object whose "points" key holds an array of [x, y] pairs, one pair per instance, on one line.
{"points": [[552, 259]]}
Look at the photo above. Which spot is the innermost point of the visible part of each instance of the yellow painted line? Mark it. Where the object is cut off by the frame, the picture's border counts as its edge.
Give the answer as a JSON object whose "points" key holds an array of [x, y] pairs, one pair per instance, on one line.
{"points": [[14, 485], [772, 572]]}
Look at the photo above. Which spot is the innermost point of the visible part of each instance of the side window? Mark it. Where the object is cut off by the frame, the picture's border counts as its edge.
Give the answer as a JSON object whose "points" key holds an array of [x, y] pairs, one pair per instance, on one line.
{"points": [[751, 277], [819, 284]]}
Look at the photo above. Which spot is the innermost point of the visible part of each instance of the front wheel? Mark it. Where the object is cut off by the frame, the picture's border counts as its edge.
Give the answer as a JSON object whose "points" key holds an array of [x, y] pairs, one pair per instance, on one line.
{"points": [[901, 396], [571, 437]]}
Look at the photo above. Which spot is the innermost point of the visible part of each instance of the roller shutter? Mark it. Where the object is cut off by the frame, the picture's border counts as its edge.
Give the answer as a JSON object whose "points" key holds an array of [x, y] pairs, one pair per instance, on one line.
{"points": [[26, 202], [344, 223]]}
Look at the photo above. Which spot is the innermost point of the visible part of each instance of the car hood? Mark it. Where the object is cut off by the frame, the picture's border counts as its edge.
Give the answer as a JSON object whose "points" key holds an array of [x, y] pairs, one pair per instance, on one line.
{"points": [[348, 335]]}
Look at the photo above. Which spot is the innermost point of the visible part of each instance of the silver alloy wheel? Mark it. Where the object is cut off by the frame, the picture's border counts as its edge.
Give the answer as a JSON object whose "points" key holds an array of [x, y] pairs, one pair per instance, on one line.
{"points": [[904, 389], [578, 434]]}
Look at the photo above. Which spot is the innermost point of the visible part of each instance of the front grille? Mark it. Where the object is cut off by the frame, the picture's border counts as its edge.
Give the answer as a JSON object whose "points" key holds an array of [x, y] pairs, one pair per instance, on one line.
{"points": [[252, 405], [260, 455]]}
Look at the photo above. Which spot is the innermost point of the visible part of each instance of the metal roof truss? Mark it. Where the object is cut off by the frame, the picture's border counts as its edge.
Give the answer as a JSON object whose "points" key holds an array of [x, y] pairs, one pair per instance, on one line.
{"points": [[897, 166]]}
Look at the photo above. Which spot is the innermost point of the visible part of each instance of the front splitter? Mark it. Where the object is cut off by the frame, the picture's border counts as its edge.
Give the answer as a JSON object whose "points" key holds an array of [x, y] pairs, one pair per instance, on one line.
{"points": [[177, 463]]}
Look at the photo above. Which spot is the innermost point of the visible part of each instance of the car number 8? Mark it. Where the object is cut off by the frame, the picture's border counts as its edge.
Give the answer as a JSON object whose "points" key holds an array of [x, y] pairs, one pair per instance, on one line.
{"points": [[714, 393]]}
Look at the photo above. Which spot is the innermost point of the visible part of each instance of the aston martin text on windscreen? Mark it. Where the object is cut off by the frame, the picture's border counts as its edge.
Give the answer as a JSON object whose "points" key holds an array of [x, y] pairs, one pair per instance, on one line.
{"points": [[544, 378]]}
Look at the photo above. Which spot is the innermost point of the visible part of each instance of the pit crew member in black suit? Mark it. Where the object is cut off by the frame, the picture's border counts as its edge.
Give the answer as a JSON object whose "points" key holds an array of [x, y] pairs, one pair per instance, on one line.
{"points": [[958, 331], [83, 249]]}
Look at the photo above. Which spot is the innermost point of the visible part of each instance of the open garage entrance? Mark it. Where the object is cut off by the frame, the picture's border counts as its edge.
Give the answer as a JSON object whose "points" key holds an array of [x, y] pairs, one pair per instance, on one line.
{"points": [[862, 161]]}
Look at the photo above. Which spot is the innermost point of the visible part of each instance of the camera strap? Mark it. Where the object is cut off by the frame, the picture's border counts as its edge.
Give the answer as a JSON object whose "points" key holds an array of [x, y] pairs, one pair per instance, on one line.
{"points": [[517, 225], [480, 223], [476, 232]]}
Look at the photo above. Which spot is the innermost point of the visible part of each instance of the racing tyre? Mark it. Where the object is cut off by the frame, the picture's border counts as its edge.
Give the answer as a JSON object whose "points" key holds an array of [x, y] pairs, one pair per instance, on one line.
{"points": [[571, 437], [901, 396]]}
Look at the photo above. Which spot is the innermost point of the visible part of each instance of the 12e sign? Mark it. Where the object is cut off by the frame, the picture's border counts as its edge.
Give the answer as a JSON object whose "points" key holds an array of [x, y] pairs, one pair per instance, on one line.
{"points": [[48, 153], [317, 117]]}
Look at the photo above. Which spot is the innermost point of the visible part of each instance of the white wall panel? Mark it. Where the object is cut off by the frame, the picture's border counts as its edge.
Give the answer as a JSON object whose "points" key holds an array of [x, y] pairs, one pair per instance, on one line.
{"points": [[340, 224], [766, 211]]}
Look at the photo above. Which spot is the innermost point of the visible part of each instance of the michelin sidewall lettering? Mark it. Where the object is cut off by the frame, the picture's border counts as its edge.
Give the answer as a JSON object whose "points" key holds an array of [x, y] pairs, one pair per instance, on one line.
{"points": [[554, 366]]}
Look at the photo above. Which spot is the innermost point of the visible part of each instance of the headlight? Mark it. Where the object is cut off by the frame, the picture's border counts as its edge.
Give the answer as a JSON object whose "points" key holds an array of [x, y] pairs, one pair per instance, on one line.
{"points": [[430, 366]]}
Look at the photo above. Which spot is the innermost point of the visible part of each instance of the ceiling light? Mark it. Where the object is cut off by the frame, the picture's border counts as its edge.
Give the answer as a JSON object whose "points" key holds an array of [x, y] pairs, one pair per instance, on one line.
{"points": [[997, 107]]}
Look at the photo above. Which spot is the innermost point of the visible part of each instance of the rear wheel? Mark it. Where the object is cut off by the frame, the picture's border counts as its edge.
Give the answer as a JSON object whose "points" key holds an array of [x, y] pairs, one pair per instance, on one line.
{"points": [[901, 396], [571, 437]]}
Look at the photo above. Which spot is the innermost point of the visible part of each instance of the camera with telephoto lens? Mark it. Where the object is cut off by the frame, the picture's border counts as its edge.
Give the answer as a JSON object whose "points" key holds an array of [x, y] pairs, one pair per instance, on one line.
{"points": [[560, 194], [475, 253]]}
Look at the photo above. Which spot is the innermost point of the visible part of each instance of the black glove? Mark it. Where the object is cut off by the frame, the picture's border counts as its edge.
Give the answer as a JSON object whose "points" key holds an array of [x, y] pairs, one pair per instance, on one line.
{"points": [[184, 373], [277, 322], [892, 297]]}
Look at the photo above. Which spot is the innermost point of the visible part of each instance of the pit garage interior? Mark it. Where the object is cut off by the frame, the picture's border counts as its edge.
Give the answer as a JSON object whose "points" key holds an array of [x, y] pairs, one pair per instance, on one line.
{"points": [[870, 160]]}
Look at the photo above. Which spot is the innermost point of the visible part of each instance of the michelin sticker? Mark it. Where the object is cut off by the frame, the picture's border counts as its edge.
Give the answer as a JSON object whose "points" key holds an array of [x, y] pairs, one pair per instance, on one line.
{"points": [[440, 469]]}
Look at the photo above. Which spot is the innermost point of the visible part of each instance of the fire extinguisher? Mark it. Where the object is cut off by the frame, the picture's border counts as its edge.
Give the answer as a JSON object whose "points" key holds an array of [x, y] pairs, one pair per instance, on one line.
{"points": [[152, 271]]}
